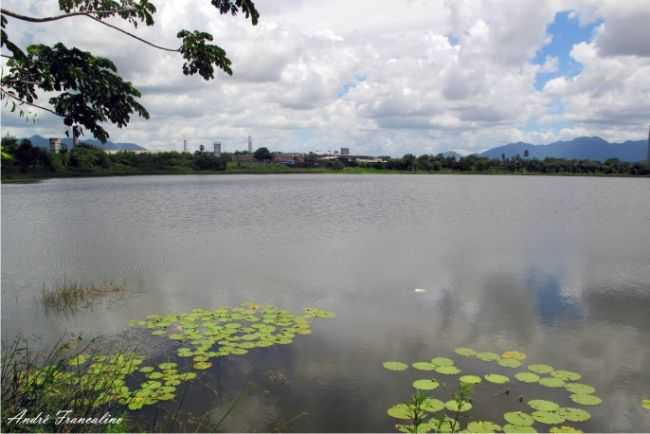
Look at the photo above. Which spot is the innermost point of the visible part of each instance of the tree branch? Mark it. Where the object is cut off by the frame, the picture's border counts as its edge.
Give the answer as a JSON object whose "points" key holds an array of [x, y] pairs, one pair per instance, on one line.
{"points": [[151, 44], [56, 17], [9, 94]]}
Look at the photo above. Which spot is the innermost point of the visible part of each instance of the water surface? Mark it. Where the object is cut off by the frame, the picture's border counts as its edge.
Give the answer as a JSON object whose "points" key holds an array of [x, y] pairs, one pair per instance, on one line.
{"points": [[557, 267]]}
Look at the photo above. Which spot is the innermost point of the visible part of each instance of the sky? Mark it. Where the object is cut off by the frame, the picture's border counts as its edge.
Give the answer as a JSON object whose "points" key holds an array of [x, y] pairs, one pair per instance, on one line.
{"points": [[382, 77]]}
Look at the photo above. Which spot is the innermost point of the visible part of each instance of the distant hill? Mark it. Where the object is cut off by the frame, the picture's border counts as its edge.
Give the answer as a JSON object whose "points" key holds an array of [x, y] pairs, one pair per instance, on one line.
{"points": [[42, 142], [581, 148]]}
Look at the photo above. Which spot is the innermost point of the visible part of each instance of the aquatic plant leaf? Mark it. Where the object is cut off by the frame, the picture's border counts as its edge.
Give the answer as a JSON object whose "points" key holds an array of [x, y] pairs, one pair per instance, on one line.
{"points": [[155, 375], [442, 361], [574, 414], [509, 363], [645, 404], [496, 378], [202, 365], [146, 369], [424, 427], [547, 417], [551, 382], [426, 384], [456, 406], [448, 370], [510, 428], [584, 399], [401, 411], [518, 418], [516, 355], [566, 375], [423, 366], [579, 388], [543, 405], [77, 360], [483, 426], [465, 352], [540, 368], [432, 405], [470, 379], [527, 377], [564, 429], [446, 425], [487, 356]]}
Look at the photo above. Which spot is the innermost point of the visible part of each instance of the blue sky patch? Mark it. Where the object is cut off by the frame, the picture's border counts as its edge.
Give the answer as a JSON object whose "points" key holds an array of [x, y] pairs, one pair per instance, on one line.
{"points": [[349, 85], [566, 32]]}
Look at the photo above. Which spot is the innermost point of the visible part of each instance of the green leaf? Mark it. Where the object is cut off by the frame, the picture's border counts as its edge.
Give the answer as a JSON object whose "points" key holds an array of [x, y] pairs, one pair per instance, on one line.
{"points": [[426, 384], [518, 418], [395, 366]]}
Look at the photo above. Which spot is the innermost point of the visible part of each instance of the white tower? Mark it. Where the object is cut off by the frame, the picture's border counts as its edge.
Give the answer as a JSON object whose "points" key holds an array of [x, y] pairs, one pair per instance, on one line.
{"points": [[184, 146], [250, 144], [217, 149]]}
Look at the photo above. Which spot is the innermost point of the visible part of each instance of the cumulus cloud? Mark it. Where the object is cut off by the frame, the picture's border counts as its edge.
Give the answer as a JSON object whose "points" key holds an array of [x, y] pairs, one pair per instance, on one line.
{"points": [[380, 76]]}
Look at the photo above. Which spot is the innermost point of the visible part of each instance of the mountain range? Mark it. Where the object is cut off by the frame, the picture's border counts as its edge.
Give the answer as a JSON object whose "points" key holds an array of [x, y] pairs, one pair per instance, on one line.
{"points": [[581, 148], [42, 142]]}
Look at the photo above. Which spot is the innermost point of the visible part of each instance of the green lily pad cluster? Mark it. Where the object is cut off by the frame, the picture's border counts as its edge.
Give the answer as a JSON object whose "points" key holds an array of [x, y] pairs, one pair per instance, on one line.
{"points": [[100, 378], [160, 385], [207, 334], [549, 414]]}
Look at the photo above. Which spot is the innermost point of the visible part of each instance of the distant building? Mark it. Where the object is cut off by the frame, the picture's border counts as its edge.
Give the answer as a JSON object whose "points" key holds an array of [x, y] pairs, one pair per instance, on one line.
{"points": [[185, 146], [287, 158], [55, 145], [345, 151], [217, 149], [201, 148], [250, 144]]}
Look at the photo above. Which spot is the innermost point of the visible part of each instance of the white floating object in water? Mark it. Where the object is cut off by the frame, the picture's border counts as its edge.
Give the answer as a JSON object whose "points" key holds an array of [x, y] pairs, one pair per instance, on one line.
{"points": [[419, 290]]}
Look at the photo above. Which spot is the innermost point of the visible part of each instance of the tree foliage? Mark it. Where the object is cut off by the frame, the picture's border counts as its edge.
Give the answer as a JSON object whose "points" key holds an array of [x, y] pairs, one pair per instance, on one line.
{"points": [[89, 90], [262, 154]]}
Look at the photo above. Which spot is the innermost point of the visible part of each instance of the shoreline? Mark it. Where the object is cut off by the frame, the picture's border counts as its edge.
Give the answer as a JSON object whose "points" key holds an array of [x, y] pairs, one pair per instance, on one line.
{"points": [[30, 178]]}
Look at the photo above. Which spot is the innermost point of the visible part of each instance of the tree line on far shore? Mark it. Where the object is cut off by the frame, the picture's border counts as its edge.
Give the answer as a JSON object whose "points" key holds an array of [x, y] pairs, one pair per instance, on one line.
{"points": [[20, 158]]}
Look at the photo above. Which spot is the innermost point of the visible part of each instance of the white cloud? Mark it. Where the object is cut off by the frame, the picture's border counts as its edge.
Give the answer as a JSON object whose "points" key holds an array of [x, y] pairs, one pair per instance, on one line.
{"points": [[379, 76]]}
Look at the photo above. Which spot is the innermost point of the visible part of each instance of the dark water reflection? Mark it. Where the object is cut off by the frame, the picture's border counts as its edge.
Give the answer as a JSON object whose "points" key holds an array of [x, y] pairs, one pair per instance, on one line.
{"points": [[556, 267]]}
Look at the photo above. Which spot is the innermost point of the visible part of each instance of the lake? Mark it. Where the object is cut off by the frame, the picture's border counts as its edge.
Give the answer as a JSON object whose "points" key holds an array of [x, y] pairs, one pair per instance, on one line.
{"points": [[555, 267]]}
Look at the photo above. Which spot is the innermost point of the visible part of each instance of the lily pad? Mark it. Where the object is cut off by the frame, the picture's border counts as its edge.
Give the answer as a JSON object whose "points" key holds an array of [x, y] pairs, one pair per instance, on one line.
{"points": [[540, 368], [579, 388], [646, 404], [509, 363], [202, 365], [457, 406], [446, 425], [432, 405], [426, 384], [516, 355], [527, 377], [395, 366], [77, 360], [566, 375], [465, 352], [442, 361], [496, 378], [423, 366], [487, 356], [584, 399], [448, 370], [551, 382], [543, 405], [401, 411], [564, 429], [519, 418], [470, 379], [547, 417], [510, 428], [574, 414], [483, 426]]}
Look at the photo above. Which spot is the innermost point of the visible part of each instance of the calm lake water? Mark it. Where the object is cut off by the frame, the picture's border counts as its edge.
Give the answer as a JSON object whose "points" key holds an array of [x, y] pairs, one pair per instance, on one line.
{"points": [[556, 267]]}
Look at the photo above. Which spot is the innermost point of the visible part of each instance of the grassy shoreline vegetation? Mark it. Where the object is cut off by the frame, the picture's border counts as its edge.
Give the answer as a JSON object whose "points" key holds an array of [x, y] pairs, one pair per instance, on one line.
{"points": [[22, 162]]}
